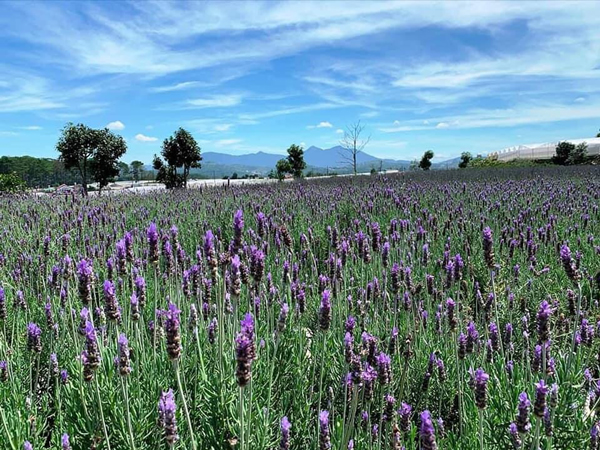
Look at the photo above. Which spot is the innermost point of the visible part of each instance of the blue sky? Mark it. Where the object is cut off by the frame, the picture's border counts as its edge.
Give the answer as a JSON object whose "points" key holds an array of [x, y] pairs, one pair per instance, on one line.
{"points": [[259, 76]]}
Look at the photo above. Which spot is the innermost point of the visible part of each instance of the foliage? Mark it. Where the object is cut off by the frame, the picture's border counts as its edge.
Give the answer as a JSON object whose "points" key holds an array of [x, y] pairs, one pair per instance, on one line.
{"points": [[179, 151], [282, 168], [578, 155], [136, 169], [563, 151], [425, 162], [11, 183], [296, 160], [37, 172], [93, 153], [465, 159]]}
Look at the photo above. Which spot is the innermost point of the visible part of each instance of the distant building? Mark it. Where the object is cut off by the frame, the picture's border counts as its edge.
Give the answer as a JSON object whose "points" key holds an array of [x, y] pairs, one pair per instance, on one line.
{"points": [[543, 151]]}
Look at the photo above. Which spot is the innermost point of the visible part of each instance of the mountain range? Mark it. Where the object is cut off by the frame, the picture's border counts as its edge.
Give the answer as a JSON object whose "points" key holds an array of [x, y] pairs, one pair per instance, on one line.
{"points": [[216, 164]]}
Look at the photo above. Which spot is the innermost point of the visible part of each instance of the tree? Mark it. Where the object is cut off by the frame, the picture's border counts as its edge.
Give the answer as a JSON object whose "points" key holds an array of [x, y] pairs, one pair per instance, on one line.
{"points": [[91, 152], [282, 168], [563, 151], [11, 183], [296, 160], [465, 159], [136, 170], [234, 176], [425, 162], [598, 135], [578, 155], [352, 144], [179, 151]]}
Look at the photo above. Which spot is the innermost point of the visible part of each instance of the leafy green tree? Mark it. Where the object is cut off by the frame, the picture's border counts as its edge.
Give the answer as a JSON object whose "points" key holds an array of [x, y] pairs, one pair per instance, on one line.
{"points": [[136, 168], [11, 183], [93, 153], [598, 135], [578, 155], [425, 162], [179, 151], [563, 151], [282, 168], [296, 160], [234, 176], [465, 159]]}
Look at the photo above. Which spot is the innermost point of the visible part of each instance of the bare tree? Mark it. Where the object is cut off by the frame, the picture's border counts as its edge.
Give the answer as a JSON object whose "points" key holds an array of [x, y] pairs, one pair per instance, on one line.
{"points": [[352, 144]]}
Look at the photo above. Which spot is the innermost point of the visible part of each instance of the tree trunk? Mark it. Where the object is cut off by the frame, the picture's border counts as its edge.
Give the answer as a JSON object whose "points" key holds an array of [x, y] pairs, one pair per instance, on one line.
{"points": [[84, 178], [354, 161]]}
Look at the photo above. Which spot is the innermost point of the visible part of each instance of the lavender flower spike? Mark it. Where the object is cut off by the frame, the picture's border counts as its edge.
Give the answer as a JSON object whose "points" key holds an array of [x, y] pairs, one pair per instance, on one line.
{"points": [[427, 432], [285, 426]]}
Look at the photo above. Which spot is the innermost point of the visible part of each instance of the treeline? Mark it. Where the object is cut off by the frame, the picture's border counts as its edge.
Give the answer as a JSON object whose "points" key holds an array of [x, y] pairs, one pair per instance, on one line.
{"points": [[37, 172]]}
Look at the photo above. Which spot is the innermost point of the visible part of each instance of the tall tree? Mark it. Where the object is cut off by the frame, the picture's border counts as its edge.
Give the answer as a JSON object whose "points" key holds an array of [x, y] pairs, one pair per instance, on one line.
{"points": [[425, 162], [179, 151], [563, 151], [578, 155], [282, 168], [353, 143], [136, 170], [296, 160], [465, 159], [89, 151]]}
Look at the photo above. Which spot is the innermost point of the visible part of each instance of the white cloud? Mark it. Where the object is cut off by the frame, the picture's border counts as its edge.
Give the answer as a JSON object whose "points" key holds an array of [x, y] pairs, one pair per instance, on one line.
{"points": [[303, 144], [370, 114], [339, 131], [223, 126], [31, 127], [215, 101], [320, 125], [442, 125], [227, 142], [8, 133], [143, 138], [292, 110], [116, 125], [580, 99]]}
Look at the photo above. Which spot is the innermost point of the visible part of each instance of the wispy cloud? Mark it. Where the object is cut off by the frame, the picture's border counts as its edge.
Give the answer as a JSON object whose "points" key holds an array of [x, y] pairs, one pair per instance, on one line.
{"points": [[31, 127]]}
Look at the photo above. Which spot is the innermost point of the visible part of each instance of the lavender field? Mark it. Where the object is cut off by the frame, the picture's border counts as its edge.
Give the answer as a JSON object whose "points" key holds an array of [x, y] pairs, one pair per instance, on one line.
{"points": [[450, 310]]}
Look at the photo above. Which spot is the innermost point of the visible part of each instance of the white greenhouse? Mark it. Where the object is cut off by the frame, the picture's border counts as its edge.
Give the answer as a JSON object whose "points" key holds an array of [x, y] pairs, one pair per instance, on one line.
{"points": [[543, 151]]}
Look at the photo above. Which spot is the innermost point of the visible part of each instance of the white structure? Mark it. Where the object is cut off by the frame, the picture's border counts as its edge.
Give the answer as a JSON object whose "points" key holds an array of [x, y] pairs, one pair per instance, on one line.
{"points": [[543, 151]]}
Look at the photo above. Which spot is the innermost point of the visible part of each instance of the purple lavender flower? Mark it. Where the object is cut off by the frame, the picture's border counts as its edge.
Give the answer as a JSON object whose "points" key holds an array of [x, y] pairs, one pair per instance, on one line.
{"points": [[514, 436], [405, 412], [427, 432], [541, 391], [65, 443], [212, 330], [244, 359], [488, 247], [166, 417], [238, 230], [153, 253], [111, 305], [124, 361], [324, 436], [523, 425], [450, 305], [384, 368], [285, 426], [481, 379], [3, 372], [27, 446], [568, 265], [85, 276], [172, 325], [34, 340], [325, 311]]}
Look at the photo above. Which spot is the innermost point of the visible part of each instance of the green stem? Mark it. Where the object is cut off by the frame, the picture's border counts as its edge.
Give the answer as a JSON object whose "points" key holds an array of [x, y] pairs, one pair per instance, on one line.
{"points": [[128, 414], [104, 429], [183, 401]]}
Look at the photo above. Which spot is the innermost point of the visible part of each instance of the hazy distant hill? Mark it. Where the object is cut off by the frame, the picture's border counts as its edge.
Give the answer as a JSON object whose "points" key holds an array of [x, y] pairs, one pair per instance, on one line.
{"points": [[217, 165]]}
